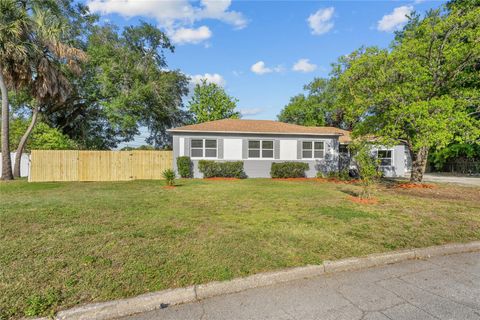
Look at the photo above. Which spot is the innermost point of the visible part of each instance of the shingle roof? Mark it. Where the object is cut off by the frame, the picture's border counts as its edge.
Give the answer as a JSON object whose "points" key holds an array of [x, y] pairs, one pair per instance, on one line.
{"points": [[262, 126]]}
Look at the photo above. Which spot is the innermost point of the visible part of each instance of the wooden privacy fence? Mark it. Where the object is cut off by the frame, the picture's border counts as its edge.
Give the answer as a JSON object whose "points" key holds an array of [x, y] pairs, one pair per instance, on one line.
{"points": [[74, 165]]}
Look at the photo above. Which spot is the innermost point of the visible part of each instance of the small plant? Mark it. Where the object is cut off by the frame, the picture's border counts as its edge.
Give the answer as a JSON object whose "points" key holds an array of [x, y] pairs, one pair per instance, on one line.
{"points": [[288, 169], [367, 166], [184, 166], [229, 169], [321, 174], [169, 176]]}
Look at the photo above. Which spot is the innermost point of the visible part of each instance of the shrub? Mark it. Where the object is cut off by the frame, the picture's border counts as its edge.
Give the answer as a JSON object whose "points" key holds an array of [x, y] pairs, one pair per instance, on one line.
{"points": [[169, 176], [342, 175], [288, 169], [184, 166], [230, 169], [367, 166]]}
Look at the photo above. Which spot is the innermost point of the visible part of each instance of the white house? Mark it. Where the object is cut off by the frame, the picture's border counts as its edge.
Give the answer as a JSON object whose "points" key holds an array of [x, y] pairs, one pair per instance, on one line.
{"points": [[258, 143]]}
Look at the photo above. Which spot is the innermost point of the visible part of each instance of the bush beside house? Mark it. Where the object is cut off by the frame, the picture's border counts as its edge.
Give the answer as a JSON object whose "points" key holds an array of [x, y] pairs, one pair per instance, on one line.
{"points": [[213, 169], [185, 167], [288, 170]]}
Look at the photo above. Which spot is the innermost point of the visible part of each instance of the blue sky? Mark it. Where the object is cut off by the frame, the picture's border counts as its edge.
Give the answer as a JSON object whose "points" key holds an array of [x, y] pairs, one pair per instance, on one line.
{"points": [[263, 52]]}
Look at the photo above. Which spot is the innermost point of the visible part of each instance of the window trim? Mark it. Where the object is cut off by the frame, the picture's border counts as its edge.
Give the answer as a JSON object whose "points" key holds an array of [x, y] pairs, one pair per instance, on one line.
{"points": [[391, 157], [261, 149], [204, 148], [313, 149]]}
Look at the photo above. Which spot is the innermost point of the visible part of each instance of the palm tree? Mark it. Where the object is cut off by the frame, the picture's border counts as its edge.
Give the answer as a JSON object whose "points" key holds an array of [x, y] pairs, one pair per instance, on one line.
{"points": [[13, 55], [50, 86], [35, 59]]}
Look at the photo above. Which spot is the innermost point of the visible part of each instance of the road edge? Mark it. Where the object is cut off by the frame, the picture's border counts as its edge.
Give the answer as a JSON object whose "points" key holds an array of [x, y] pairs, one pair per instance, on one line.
{"points": [[160, 299]]}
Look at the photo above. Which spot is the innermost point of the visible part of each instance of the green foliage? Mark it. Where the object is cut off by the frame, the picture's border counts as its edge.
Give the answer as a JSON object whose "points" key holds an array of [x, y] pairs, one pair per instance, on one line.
{"points": [[421, 90], [288, 169], [320, 106], [367, 166], [47, 138], [210, 102], [43, 137], [125, 85], [229, 169], [302, 110], [142, 147], [169, 176], [342, 175], [130, 86], [454, 152], [185, 166]]}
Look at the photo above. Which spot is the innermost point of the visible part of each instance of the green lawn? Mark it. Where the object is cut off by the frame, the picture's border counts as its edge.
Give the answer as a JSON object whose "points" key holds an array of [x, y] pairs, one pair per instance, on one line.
{"points": [[62, 244]]}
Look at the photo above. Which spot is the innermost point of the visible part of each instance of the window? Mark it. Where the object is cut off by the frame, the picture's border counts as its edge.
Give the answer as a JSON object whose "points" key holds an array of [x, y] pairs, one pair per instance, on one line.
{"points": [[203, 148], [260, 149], [312, 149], [343, 148], [384, 157]]}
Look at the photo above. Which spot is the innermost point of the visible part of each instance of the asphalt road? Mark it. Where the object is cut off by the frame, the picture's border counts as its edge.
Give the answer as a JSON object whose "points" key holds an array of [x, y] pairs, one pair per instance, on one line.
{"points": [[445, 287]]}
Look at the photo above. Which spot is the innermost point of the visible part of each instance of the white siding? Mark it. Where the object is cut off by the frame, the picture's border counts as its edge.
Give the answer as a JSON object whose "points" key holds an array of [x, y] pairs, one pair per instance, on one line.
{"points": [[232, 149], [181, 147], [288, 149], [24, 163]]}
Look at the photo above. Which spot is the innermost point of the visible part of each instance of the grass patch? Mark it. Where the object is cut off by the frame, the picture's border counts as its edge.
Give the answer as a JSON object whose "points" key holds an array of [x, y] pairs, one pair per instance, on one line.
{"points": [[62, 244]]}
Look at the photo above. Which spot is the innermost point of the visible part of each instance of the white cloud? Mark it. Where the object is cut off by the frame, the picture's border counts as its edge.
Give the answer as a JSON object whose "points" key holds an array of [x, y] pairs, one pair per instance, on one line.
{"points": [[304, 65], [173, 15], [250, 111], [321, 21], [209, 77], [260, 68], [394, 20], [190, 35]]}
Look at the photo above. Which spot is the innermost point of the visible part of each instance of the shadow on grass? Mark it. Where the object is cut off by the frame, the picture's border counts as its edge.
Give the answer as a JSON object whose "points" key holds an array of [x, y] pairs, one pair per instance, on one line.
{"points": [[350, 192]]}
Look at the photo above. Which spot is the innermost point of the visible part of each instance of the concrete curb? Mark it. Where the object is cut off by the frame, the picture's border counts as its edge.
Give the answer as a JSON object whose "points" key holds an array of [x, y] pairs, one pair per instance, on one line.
{"points": [[156, 300]]}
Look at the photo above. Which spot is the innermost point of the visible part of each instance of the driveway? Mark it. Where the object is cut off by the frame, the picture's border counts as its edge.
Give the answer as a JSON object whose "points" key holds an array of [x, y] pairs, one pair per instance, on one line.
{"points": [[445, 287], [445, 178]]}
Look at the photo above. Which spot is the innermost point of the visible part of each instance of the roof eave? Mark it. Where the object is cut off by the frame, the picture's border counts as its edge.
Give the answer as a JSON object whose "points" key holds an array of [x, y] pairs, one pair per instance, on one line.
{"points": [[255, 132]]}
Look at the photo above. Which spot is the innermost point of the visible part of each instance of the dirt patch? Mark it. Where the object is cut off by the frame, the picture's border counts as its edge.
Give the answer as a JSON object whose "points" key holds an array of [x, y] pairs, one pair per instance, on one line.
{"points": [[168, 187], [363, 200], [415, 186], [221, 179]]}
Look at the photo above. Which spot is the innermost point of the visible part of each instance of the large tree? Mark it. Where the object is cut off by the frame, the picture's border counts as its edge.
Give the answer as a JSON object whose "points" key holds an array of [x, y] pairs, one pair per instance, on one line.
{"points": [[126, 85], [320, 105], [41, 59], [210, 102], [419, 91], [302, 110], [13, 67]]}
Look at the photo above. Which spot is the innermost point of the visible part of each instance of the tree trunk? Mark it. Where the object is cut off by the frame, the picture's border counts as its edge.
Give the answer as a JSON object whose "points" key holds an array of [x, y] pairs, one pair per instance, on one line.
{"points": [[6, 160], [23, 142], [419, 162]]}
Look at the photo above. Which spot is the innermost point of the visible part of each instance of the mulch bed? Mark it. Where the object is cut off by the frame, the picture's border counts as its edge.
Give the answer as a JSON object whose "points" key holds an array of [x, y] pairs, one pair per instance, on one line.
{"points": [[362, 200], [221, 179], [168, 187]]}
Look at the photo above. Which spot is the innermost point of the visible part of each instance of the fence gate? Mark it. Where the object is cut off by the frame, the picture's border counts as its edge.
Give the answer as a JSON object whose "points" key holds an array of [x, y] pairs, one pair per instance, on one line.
{"points": [[73, 165]]}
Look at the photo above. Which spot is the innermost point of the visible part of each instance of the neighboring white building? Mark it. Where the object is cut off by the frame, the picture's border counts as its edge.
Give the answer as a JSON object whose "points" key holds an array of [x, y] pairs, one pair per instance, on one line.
{"points": [[24, 164]]}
